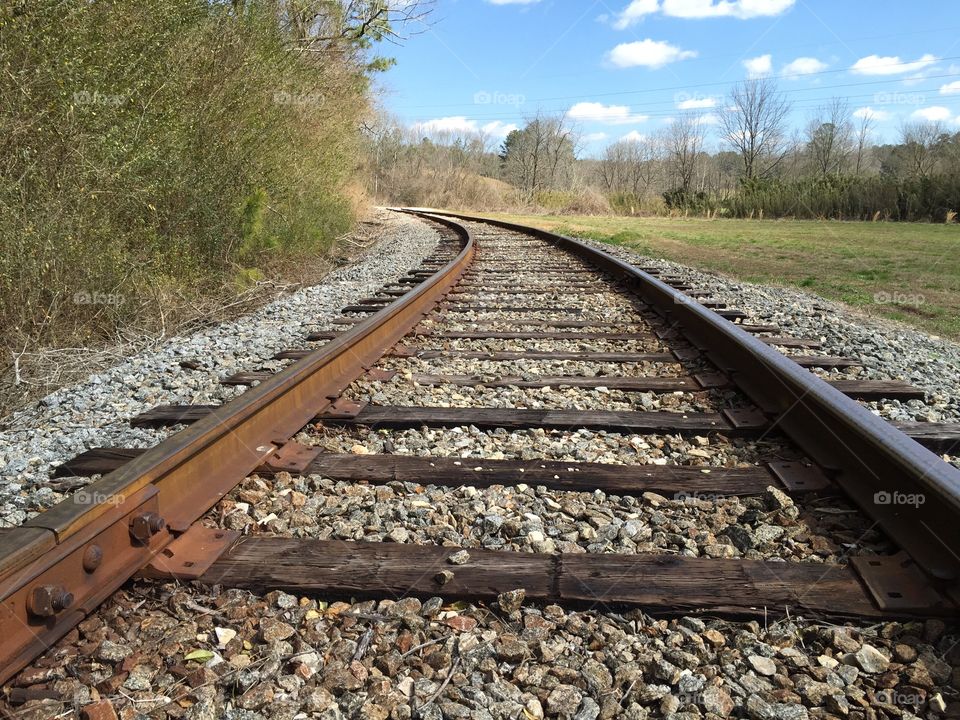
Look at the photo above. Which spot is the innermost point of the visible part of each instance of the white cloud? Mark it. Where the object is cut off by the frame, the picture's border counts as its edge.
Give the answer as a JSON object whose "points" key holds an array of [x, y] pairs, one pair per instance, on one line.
{"points": [[803, 66], [933, 113], [950, 88], [697, 103], [455, 124], [869, 112], [607, 114], [595, 137], [498, 128], [710, 119], [759, 66], [634, 136], [635, 12], [890, 65], [743, 9], [647, 53], [460, 125]]}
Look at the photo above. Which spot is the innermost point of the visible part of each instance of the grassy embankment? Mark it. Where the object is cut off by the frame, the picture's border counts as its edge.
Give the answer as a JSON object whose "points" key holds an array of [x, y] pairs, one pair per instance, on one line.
{"points": [[903, 271]]}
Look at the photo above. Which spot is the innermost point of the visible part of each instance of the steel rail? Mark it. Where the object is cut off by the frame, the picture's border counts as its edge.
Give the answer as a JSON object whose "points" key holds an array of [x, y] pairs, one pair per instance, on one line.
{"points": [[909, 491], [60, 565]]}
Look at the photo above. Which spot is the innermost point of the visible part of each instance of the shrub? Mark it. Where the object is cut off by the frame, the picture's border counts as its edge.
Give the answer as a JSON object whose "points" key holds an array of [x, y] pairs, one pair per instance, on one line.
{"points": [[160, 144]]}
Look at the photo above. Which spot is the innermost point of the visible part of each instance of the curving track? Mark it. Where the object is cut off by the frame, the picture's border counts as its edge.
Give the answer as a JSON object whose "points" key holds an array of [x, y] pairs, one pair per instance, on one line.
{"points": [[515, 359]]}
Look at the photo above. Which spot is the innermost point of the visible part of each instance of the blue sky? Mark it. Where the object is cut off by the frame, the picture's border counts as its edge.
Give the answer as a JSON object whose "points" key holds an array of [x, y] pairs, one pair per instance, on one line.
{"points": [[620, 68]]}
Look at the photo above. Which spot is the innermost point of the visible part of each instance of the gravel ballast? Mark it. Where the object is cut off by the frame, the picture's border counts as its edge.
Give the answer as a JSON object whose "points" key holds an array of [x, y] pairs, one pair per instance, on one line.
{"points": [[169, 650]]}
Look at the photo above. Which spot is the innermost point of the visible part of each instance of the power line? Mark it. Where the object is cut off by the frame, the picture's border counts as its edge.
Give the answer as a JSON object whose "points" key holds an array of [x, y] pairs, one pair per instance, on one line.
{"points": [[789, 91], [712, 84]]}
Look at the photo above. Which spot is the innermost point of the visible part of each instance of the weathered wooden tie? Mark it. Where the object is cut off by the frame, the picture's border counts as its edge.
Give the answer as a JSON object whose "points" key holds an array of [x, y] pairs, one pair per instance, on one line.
{"points": [[858, 389], [631, 384], [941, 437], [679, 482], [532, 335], [661, 584], [522, 418]]}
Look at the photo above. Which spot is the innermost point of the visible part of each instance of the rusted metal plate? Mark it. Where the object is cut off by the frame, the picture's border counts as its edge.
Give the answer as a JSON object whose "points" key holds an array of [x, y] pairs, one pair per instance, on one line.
{"points": [[291, 457], [712, 381], [402, 351], [191, 554], [743, 418], [343, 409], [686, 354], [380, 375], [898, 585], [799, 477]]}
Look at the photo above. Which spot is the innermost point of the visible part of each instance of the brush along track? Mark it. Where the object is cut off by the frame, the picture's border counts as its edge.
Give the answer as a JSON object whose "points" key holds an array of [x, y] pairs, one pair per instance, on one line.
{"points": [[596, 458]]}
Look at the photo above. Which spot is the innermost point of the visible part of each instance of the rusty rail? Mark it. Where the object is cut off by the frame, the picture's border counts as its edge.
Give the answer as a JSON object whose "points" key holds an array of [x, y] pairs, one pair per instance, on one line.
{"points": [[871, 460], [60, 565]]}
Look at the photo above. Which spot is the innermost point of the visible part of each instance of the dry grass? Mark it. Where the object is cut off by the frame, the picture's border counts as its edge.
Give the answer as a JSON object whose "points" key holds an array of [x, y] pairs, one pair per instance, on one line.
{"points": [[29, 371]]}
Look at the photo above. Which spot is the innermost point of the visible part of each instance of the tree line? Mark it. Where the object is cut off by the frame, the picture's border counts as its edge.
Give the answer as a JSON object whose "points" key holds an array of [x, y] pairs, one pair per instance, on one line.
{"points": [[762, 166]]}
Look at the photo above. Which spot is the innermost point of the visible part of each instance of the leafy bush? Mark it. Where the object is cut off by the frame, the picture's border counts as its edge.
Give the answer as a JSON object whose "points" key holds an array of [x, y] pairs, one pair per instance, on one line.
{"points": [[154, 153], [160, 147]]}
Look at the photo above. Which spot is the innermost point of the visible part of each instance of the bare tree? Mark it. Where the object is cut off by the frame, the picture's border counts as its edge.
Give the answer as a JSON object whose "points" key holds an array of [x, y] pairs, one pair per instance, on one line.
{"points": [[330, 25], [829, 137], [683, 143], [541, 155], [630, 166], [754, 123], [862, 141], [918, 143]]}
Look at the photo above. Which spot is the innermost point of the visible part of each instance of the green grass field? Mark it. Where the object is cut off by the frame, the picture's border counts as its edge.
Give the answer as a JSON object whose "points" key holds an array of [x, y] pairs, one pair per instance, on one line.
{"points": [[908, 272]]}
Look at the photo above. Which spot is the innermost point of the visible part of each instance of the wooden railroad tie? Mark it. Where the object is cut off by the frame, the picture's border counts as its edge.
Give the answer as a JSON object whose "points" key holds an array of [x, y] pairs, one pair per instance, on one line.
{"points": [[940, 437], [676, 481], [661, 584]]}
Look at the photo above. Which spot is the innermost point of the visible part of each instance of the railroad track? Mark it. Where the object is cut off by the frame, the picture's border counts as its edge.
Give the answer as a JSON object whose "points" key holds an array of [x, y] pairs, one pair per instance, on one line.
{"points": [[520, 340]]}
